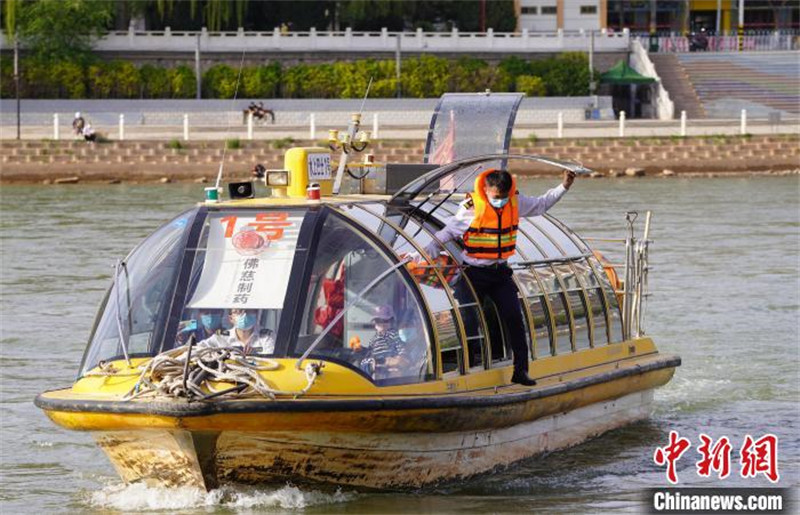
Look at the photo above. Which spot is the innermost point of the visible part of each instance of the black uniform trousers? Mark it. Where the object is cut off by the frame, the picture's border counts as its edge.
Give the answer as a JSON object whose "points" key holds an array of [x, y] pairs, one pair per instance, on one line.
{"points": [[495, 282]]}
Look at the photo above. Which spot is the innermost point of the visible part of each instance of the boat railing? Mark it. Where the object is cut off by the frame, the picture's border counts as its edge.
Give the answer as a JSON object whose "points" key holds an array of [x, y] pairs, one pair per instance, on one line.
{"points": [[634, 271]]}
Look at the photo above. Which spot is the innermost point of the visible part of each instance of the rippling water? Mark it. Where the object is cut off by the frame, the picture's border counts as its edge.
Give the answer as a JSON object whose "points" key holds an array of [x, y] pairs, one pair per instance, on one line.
{"points": [[726, 277]]}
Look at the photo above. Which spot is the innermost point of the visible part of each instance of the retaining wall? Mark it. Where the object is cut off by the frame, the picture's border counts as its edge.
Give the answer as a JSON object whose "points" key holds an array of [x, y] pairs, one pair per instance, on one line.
{"points": [[34, 161]]}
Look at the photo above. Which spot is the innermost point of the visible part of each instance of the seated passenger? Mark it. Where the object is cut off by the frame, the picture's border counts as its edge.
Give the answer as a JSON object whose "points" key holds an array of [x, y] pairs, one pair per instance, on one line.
{"points": [[244, 334], [385, 347]]}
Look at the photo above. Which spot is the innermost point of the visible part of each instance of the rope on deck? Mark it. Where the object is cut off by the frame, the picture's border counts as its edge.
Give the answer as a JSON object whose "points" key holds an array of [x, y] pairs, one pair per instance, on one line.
{"points": [[188, 372]]}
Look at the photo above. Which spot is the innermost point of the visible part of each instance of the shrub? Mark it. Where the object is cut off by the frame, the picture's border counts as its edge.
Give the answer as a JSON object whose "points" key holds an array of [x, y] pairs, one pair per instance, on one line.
{"points": [[155, 82], [531, 85], [175, 144], [260, 81], [463, 74], [233, 144], [71, 78], [566, 75], [7, 79], [127, 80], [425, 77], [100, 81], [183, 83], [514, 67], [219, 81]]}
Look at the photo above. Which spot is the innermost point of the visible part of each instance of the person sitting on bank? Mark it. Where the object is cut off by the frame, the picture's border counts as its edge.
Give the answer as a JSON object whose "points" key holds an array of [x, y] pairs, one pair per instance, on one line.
{"points": [[89, 134], [78, 123], [487, 222], [244, 333], [385, 347]]}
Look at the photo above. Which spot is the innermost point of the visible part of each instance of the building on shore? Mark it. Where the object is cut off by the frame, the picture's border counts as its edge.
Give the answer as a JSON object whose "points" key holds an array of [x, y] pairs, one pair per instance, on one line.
{"points": [[716, 16]]}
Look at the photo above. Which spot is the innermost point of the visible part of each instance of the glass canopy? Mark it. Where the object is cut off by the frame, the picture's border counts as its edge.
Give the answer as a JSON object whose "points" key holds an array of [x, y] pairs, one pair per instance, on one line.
{"points": [[333, 282]]}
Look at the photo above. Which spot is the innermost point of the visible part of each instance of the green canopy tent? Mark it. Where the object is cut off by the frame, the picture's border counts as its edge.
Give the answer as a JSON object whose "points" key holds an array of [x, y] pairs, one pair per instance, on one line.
{"points": [[621, 74]]}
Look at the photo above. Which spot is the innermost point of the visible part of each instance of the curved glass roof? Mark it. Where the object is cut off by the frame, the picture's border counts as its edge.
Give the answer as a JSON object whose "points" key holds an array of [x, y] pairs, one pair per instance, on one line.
{"points": [[333, 281]]}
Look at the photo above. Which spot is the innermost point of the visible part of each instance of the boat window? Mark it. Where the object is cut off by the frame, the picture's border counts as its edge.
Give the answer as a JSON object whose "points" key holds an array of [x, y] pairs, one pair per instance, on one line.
{"points": [[548, 248], [614, 315], [558, 303], [138, 301], [383, 333], [239, 279], [537, 304], [439, 295], [555, 232], [459, 288], [577, 304]]}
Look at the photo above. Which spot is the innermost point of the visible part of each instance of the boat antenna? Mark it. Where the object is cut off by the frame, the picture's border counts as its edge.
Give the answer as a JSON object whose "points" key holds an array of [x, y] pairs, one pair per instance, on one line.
{"points": [[228, 128], [364, 100]]}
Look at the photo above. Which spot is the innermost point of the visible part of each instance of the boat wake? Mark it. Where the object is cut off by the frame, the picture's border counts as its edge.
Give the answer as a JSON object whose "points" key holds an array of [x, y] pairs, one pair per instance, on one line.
{"points": [[140, 497]]}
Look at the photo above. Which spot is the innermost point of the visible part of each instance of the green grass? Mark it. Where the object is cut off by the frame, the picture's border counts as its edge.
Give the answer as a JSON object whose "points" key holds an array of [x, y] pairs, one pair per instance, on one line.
{"points": [[280, 144], [233, 144], [174, 144]]}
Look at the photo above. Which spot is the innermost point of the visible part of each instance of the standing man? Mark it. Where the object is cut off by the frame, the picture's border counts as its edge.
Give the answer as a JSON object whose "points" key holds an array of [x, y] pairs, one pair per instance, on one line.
{"points": [[487, 223]]}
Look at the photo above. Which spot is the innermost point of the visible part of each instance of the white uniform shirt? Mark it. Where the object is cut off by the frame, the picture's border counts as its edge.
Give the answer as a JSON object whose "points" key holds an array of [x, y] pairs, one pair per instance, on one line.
{"points": [[258, 343], [460, 222]]}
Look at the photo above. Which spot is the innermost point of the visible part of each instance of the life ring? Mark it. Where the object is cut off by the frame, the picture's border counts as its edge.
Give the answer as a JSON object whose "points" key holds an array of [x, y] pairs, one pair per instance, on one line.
{"points": [[425, 273], [616, 283]]}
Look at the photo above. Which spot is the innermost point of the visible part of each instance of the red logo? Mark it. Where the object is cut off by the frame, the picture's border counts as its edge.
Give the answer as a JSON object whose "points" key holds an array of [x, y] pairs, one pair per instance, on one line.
{"points": [[671, 453], [716, 457], [760, 457], [756, 456]]}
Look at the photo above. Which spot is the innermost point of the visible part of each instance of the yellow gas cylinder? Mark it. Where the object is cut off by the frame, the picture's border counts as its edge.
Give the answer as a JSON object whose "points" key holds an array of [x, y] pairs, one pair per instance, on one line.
{"points": [[307, 165]]}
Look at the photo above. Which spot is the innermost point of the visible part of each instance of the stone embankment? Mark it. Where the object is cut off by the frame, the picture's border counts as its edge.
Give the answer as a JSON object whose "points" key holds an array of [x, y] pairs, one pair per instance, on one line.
{"points": [[143, 161]]}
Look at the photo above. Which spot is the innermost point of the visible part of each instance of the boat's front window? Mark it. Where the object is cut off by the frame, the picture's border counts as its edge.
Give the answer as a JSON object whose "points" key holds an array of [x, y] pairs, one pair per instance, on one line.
{"points": [[137, 303], [240, 275], [375, 327]]}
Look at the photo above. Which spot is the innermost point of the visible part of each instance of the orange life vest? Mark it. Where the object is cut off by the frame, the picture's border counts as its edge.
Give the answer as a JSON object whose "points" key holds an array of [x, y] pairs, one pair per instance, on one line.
{"points": [[493, 232]]}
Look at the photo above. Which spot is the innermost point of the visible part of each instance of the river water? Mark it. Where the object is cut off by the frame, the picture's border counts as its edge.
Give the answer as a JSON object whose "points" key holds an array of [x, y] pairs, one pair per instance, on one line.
{"points": [[726, 282]]}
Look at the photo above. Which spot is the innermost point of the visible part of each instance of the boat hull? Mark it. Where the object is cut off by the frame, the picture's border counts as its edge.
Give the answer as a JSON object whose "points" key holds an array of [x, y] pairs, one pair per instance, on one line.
{"points": [[384, 449]]}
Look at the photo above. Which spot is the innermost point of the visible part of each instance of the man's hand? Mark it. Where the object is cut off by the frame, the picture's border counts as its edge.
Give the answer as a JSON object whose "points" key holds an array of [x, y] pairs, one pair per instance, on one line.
{"points": [[569, 178]]}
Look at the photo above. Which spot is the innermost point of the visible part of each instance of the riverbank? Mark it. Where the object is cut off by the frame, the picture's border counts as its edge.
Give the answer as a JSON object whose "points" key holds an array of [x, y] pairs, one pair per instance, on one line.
{"points": [[50, 161]]}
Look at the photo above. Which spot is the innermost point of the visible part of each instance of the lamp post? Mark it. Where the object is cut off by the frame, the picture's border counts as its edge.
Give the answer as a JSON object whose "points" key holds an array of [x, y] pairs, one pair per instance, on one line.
{"points": [[353, 140], [16, 79]]}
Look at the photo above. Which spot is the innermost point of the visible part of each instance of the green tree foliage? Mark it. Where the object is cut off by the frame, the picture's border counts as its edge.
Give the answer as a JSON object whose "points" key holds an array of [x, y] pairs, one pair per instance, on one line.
{"points": [[220, 81], [155, 82], [261, 81], [564, 75], [531, 85], [183, 83], [57, 30], [425, 76]]}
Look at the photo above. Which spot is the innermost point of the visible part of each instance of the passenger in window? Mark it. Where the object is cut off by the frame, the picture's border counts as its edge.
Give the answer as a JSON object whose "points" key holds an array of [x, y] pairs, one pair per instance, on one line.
{"points": [[385, 347], [244, 333], [486, 223], [207, 325]]}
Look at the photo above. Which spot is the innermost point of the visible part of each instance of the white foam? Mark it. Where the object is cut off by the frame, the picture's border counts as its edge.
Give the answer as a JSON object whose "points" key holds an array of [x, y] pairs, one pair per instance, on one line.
{"points": [[140, 497]]}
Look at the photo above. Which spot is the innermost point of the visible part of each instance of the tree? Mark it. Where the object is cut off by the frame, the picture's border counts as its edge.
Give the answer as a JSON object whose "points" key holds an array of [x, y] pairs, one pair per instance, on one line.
{"points": [[55, 30]]}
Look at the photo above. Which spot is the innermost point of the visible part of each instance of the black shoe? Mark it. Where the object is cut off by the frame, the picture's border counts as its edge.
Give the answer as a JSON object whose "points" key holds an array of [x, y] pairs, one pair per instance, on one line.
{"points": [[523, 379]]}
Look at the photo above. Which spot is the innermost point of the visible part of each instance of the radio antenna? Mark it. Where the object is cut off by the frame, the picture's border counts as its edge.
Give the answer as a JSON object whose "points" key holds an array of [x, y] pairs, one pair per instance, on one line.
{"points": [[228, 129], [364, 101]]}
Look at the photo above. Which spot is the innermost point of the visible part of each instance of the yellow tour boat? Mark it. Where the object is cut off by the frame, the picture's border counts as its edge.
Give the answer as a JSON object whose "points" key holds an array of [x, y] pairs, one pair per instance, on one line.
{"points": [[239, 343]]}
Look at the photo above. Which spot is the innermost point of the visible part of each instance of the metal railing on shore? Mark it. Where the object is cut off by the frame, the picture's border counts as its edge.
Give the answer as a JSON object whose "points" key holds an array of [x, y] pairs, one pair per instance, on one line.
{"points": [[678, 43], [181, 126]]}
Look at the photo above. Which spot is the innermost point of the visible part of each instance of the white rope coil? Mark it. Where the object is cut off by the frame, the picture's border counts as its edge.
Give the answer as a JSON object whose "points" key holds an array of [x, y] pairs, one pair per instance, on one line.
{"points": [[169, 374]]}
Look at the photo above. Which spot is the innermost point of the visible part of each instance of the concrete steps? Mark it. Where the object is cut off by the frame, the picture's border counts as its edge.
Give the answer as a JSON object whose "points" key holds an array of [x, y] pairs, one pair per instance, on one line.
{"points": [[677, 83]]}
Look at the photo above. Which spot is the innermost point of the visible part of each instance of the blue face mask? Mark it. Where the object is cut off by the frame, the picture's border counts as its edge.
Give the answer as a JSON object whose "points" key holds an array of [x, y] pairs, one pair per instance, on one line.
{"points": [[498, 202], [211, 321], [245, 321]]}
